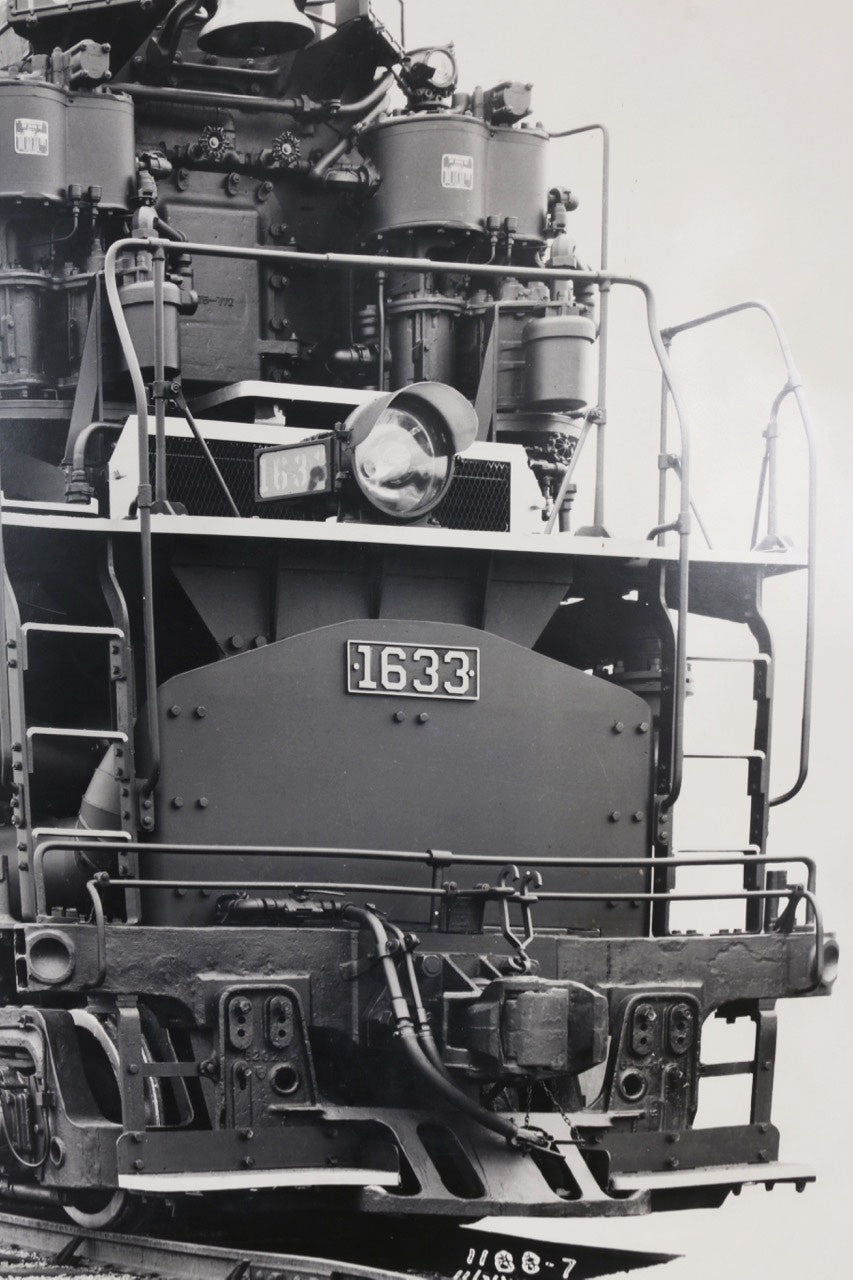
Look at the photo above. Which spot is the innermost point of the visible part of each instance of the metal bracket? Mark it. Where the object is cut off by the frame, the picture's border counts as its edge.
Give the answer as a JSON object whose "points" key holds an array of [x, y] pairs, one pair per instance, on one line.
{"points": [[68, 1251], [531, 880]]}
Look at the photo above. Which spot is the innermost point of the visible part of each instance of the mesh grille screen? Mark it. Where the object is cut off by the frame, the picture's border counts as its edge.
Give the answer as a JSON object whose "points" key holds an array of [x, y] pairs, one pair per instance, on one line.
{"points": [[478, 498]]}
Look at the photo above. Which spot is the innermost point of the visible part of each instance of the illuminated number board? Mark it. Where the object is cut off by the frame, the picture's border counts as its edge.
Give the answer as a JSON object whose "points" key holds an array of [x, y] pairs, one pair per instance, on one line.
{"points": [[293, 470], [413, 670]]}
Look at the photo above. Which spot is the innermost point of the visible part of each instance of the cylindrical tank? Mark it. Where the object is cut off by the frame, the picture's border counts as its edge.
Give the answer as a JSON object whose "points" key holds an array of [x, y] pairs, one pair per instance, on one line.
{"points": [[558, 362], [23, 308], [137, 300], [33, 159], [434, 172], [517, 179], [423, 339], [101, 146]]}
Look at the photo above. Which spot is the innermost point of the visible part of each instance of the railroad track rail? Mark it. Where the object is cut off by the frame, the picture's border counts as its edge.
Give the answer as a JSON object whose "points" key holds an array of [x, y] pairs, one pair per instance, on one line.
{"points": [[36, 1247]]}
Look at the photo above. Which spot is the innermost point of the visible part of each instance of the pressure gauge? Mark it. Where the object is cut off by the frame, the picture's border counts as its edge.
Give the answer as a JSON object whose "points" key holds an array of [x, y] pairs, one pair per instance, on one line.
{"points": [[442, 66]]}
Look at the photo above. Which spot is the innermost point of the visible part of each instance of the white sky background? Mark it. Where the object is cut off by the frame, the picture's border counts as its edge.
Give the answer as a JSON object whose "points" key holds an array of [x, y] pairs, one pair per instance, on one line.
{"points": [[731, 178]]}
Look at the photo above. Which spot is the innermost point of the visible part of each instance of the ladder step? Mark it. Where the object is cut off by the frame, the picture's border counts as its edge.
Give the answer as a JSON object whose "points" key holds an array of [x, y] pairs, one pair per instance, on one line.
{"points": [[47, 731], [712, 657], [750, 848], [67, 629], [724, 755], [83, 833]]}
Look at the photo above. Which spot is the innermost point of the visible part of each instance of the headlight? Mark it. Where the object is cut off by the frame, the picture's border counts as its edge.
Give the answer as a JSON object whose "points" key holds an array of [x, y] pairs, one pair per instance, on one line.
{"points": [[403, 445], [402, 467], [396, 451]]}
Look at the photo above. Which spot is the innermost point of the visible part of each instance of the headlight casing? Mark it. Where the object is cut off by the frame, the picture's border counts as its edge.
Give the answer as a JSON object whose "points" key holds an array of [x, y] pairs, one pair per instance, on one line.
{"points": [[400, 448]]}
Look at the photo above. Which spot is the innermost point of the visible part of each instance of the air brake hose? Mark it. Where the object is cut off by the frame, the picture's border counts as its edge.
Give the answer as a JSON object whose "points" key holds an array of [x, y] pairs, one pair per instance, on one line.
{"points": [[414, 1051], [421, 1018]]}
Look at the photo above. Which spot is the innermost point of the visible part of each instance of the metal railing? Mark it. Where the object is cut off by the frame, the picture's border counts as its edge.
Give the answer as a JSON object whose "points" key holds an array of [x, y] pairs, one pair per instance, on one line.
{"points": [[661, 340], [772, 541], [519, 881]]}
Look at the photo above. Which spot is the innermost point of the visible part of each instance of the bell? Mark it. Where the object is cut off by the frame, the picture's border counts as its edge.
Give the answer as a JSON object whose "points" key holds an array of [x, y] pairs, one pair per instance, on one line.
{"points": [[240, 28]]}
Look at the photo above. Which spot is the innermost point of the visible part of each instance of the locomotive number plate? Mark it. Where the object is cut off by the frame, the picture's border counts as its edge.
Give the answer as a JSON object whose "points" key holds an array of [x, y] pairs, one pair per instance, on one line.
{"points": [[413, 670]]}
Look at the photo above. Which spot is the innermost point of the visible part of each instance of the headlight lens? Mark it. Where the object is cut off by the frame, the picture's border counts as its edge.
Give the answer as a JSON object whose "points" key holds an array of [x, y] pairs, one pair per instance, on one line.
{"points": [[403, 466]]}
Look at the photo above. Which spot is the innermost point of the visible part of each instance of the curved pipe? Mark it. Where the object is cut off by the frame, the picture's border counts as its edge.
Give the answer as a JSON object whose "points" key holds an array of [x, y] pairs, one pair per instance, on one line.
{"points": [[143, 499], [422, 1023], [376, 94], [326, 162], [795, 386], [100, 930], [411, 1046], [296, 107], [173, 24]]}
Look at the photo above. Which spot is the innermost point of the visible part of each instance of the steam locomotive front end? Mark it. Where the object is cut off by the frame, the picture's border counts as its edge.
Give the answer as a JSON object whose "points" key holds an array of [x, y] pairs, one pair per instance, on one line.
{"points": [[341, 771]]}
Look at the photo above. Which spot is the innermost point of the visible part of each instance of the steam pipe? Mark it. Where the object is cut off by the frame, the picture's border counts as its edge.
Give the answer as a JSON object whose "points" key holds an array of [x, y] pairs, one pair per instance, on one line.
{"points": [[297, 107], [173, 24], [325, 163]]}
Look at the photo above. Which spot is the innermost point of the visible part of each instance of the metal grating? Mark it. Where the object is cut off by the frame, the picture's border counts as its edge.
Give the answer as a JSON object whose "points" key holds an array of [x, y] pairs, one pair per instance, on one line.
{"points": [[479, 497], [191, 482]]}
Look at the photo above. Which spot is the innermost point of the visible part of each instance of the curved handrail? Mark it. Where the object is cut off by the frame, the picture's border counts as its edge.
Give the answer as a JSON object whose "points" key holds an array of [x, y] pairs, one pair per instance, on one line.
{"points": [[794, 386], [442, 859]]}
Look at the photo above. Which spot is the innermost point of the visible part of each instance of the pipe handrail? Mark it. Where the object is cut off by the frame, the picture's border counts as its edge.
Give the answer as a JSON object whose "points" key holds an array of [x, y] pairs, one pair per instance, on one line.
{"points": [[793, 386], [430, 858]]}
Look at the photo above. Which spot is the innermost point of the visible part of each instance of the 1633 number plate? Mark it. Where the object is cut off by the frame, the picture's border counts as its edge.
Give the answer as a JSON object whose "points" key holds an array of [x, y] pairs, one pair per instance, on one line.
{"points": [[413, 670]]}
